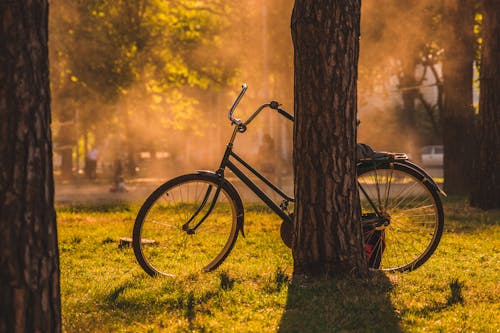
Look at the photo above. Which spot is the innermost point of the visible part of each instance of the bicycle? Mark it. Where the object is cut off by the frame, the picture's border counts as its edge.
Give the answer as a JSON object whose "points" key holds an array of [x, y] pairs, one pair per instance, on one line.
{"points": [[191, 223]]}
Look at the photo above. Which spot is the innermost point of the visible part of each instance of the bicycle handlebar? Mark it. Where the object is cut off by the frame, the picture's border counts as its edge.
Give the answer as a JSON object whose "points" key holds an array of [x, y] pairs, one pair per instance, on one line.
{"points": [[275, 105], [236, 121], [286, 114]]}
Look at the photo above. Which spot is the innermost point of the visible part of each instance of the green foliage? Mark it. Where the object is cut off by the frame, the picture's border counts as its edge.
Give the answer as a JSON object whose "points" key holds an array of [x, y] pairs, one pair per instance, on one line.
{"points": [[133, 69], [111, 45], [103, 288]]}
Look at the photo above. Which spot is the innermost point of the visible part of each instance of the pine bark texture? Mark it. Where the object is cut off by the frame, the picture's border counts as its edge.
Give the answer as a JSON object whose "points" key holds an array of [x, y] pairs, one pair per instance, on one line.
{"points": [[327, 230], [486, 193], [458, 112], [29, 274]]}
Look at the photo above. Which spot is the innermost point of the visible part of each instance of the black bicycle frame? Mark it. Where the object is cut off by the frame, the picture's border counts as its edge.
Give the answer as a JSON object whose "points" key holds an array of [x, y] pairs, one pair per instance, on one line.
{"points": [[279, 210], [227, 163]]}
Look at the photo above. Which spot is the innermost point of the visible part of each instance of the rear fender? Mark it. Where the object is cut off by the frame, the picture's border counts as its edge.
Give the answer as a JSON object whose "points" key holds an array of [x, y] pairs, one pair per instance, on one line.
{"points": [[371, 164], [427, 177]]}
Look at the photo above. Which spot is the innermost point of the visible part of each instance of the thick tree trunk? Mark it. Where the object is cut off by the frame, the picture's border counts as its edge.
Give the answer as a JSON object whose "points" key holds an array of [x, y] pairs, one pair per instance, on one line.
{"points": [[327, 230], [486, 193], [29, 259], [458, 113]]}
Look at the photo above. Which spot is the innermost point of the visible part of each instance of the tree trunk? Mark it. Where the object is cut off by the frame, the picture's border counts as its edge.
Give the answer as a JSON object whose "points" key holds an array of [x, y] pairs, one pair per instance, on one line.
{"points": [[409, 95], [327, 229], [66, 140], [29, 258], [458, 112], [486, 194], [67, 162]]}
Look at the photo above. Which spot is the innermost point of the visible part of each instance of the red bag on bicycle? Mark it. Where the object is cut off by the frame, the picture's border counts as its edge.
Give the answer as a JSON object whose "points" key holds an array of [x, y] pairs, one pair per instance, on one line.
{"points": [[374, 247]]}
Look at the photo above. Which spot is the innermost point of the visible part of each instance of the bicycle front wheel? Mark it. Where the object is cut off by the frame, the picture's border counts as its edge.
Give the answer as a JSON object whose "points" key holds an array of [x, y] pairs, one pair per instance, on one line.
{"points": [[402, 216], [188, 225]]}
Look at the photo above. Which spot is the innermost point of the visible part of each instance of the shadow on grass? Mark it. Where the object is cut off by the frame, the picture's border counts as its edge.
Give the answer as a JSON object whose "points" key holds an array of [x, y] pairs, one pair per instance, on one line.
{"points": [[142, 299], [340, 305]]}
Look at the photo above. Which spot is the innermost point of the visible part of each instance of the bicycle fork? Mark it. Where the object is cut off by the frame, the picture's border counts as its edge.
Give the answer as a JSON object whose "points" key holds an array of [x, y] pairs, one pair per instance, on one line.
{"points": [[185, 226]]}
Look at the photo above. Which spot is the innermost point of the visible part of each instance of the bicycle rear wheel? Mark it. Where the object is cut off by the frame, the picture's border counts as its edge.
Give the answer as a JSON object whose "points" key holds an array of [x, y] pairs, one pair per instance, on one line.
{"points": [[188, 225], [402, 216]]}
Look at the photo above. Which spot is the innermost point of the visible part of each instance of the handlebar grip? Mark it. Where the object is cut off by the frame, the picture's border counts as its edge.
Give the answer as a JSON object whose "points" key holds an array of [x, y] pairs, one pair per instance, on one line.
{"points": [[286, 114], [276, 106]]}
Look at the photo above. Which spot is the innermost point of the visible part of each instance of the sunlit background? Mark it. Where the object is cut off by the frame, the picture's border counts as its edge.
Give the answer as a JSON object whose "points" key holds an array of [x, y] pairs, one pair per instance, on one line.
{"points": [[149, 82]]}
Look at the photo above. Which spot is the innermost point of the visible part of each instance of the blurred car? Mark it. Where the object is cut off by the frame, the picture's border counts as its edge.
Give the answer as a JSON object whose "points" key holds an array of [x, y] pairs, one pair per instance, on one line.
{"points": [[432, 156]]}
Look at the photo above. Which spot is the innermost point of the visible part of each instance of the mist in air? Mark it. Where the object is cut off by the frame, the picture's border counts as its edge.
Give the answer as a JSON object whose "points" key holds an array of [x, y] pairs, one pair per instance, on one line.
{"points": [[151, 84]]}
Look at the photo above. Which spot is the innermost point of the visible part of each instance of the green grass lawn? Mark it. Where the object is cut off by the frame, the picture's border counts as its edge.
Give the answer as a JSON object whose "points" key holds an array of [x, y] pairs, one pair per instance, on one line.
{"points": [[104, 289]]}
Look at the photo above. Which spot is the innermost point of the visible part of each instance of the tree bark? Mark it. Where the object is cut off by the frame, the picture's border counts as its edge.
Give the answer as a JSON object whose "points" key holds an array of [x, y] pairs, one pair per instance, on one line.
{"points": [[458, 112], [29, 258], [327, 230], [486, 193]]}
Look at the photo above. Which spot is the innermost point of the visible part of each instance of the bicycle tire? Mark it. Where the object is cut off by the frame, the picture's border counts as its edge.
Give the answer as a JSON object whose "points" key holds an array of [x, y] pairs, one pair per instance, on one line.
{"points": [[161, 245], [414, 210]]}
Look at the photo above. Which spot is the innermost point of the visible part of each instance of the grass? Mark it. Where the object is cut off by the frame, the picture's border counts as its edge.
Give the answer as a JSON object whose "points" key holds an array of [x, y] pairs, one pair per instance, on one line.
{"points": [[103, 289]]}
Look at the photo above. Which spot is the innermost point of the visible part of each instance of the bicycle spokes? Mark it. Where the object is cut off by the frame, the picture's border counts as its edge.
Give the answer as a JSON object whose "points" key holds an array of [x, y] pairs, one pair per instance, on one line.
{"points": [[193, 223], [404, 211]]}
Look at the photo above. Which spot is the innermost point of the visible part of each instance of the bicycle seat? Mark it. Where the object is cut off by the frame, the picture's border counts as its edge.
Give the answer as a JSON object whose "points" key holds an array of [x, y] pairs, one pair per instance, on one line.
{"points": [[364, 151]]}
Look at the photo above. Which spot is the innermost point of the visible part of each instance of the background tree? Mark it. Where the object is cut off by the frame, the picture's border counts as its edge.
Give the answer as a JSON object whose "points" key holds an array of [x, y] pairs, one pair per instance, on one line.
{"points": [[399, 65], [131, 68], [486, 193], [458, 112], [327, 230], [29, 278]]}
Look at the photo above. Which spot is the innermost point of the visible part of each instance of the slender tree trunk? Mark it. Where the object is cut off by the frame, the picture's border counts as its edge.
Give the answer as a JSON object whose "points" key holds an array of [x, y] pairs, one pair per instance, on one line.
{"points": [[130, 143], [458, 113], [327, 230], [409, 95], [29, 258], [486, 193], [67, 163], [66, 139]]}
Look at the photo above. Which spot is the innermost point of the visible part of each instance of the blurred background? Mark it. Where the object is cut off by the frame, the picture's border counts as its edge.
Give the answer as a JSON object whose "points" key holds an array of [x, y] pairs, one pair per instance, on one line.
{"points": [[142, 87]]}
